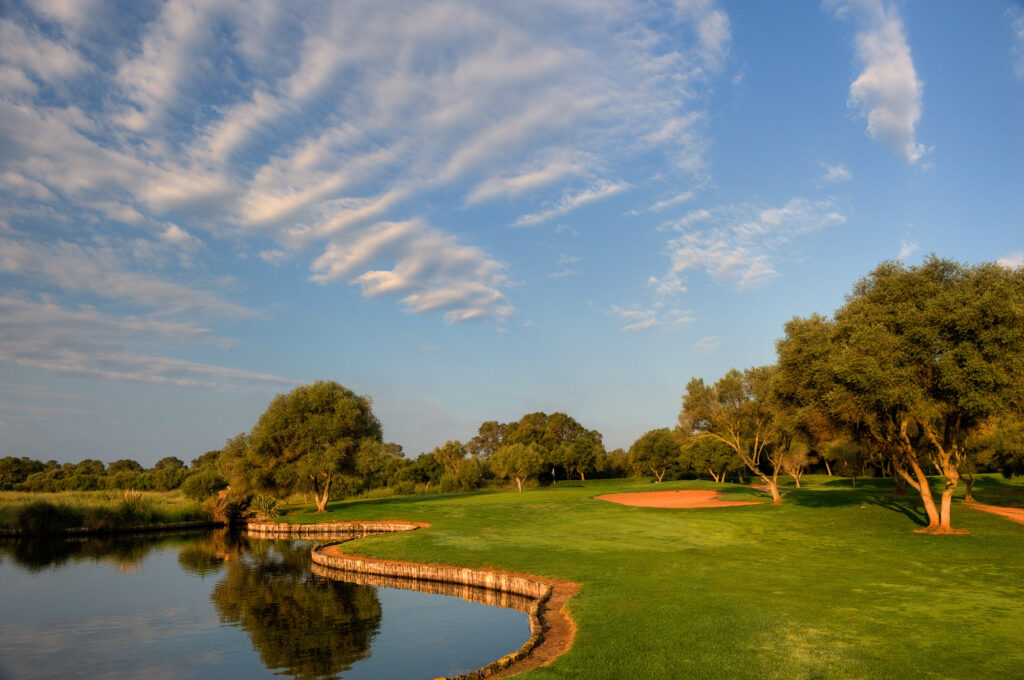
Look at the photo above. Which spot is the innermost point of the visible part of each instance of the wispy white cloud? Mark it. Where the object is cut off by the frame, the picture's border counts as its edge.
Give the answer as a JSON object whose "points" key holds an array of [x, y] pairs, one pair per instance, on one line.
{"points": [[1016, 16], [642, 319], [102, 270], [665, 203], [1013, 260], [431, 271], [86, 342], [308, 126], [887, 92], [707, 345], [742, 243], [529, 180], [836, 173], [572, 201], [907, 248]]}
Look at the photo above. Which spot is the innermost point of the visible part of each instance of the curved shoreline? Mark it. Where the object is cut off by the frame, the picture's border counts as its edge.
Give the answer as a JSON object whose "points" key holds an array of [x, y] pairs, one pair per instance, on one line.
{"points": [[552, 630]]}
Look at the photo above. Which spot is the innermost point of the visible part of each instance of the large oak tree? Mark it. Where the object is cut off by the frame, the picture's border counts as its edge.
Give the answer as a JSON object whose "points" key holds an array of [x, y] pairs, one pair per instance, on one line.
{"points": [[915, 361], [308, 437]]}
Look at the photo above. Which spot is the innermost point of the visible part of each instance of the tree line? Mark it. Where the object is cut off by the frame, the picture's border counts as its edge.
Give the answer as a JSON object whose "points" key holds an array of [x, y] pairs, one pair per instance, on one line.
{"points": [[920, 372]]}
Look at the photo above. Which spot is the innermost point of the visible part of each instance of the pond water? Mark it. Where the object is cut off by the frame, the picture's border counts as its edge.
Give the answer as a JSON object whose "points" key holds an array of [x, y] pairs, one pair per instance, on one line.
{"points": [[222, 605]]}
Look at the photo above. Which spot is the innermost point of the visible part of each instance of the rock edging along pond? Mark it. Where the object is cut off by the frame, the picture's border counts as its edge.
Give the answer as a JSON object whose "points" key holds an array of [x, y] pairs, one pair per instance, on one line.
{"points": [[328, 555], [290, 530]]}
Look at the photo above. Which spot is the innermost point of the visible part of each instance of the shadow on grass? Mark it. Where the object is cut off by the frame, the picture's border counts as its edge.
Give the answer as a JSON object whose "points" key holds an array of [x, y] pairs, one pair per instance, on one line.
{"points": [[908, 505], [393, 501]]}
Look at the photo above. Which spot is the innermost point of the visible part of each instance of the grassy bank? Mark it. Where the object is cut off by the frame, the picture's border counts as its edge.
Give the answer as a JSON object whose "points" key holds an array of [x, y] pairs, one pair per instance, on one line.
{"points": [[832, 584], [50, 513]]}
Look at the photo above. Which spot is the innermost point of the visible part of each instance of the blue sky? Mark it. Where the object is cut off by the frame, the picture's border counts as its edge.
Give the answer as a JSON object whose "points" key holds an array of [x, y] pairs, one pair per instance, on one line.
{"points": [[468, 211]]}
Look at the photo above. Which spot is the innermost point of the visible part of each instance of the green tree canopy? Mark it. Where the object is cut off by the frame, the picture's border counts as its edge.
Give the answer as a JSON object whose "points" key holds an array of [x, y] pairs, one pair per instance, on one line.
{"points": [[738, 412], [518, 462], [655, 451], [915, 361], [307, 437]]}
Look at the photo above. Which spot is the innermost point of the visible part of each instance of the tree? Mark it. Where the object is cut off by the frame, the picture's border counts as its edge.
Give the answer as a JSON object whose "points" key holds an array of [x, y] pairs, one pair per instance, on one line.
{"points": [[579, 456], [517, 461], [487, 440], [308, 437], [915, 361], [450, 455], [426, 469], [555, 435], [169, 463], [656, 450], [736, 411], [704, 455]]}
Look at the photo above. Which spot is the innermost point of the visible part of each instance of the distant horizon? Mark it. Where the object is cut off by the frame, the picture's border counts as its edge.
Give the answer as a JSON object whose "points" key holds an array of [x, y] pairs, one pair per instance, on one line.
{"points": [[466, 212]]}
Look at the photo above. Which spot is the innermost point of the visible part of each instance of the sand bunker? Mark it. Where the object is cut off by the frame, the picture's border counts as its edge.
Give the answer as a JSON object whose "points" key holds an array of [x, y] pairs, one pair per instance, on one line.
{"points": [[684, 498]]}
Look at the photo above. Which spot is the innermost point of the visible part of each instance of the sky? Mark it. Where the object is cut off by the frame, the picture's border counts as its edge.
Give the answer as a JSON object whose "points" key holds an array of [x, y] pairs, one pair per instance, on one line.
{"points": [[468, 211]]}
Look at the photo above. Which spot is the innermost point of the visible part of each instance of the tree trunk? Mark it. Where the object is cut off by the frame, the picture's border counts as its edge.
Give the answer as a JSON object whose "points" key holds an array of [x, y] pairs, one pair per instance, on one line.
{"points": [[921, 484], [969, 496], [952, 480], [582, 478], [945, 457], [662, 475], [828, 469], [796, 478], [519, 484], [853, 480], [713, 475], [321, 500], [901, 485]]}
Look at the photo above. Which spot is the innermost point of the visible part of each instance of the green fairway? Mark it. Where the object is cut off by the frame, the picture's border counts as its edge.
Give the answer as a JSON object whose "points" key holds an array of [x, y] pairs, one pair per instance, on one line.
{"points": [[832, 584]]}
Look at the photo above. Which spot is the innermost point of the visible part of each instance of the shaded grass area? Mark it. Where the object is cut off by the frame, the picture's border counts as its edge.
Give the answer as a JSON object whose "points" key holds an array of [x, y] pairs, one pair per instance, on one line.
{"points": [[832, 584], [50, 513]]}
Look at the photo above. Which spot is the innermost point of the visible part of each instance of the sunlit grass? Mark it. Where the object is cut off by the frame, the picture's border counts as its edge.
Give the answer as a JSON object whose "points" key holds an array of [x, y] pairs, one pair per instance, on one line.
{"points": [[832, 584]]}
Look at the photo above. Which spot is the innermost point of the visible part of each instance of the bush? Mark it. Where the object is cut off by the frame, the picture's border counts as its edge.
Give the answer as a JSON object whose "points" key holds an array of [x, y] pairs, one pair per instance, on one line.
{"points": [[203, 484], [265, 507], [43, 517], [404, 488]]}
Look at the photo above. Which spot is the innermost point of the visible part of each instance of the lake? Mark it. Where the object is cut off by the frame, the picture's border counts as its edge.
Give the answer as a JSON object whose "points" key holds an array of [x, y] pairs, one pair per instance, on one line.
{"points": [[224, 605]]}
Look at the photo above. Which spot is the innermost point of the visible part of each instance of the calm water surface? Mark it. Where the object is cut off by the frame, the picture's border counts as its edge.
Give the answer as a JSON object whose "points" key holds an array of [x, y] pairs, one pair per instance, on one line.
{"points": [[220, 605]]}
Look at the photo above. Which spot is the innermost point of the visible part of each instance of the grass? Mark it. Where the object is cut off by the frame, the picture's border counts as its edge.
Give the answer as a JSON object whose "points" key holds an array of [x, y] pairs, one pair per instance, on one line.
{"points": [[832, 584], [46, 513]]}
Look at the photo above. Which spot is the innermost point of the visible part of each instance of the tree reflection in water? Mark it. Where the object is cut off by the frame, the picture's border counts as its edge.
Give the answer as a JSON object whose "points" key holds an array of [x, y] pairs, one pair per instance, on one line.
{"points": [[304, 625]]}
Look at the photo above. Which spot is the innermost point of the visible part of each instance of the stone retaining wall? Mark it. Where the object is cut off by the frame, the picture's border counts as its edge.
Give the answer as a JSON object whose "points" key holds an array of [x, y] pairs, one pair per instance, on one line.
{"points": [[492, 598], [360, 528], [328, 555]]}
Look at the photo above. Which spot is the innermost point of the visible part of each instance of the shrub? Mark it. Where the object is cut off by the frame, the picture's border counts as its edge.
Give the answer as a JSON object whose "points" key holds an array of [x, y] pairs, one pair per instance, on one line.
{"points": [[203, 484], [43, 517], [265, 507], [134, 509], [404, 488]]}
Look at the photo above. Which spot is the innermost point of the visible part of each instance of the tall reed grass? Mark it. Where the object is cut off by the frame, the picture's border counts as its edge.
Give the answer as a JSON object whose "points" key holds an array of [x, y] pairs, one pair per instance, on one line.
{"points": [[50, 513]]}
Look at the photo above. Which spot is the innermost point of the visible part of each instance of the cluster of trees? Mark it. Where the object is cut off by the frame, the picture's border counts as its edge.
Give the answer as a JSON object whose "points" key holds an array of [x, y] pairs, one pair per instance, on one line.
{"points": [[324, 440], [920, 372], [26, 474]]}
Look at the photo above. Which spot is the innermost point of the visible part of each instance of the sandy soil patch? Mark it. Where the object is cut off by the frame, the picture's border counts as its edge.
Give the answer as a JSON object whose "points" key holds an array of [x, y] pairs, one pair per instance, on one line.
{"points": [[1015, 514], [681, 498]]}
